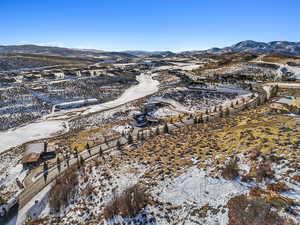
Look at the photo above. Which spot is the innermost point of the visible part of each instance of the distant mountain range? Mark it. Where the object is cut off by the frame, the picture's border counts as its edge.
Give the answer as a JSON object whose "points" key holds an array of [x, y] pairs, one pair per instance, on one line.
{"points": [[58, 51], [274, 47], [154, 54]]}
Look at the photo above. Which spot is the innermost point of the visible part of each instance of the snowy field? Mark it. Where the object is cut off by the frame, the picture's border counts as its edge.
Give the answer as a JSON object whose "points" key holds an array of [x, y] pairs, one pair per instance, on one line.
{"points": [[30, 132], [196, 99], [195, 189]]}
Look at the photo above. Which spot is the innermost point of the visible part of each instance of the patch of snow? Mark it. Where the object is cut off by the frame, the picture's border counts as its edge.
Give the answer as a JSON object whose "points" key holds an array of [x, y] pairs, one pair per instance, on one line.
{"points": [[195, 187], [30, 132], [122, 128], [288, 84], [164, 112]]}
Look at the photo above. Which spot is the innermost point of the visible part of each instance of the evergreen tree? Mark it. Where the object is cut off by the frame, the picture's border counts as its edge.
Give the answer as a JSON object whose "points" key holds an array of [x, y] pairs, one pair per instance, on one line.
{"points": [[68, 159], [250, 87], [45, 167], [201, 119], [58, 161], [118, 144], [258, 101], [195, 120], [227, 112], [157, 131], [142, 137], [130, 139], [78, 163], [166, 128], [81, 161], [100, 151], [276, 89], [88, 148], [179, 117]]}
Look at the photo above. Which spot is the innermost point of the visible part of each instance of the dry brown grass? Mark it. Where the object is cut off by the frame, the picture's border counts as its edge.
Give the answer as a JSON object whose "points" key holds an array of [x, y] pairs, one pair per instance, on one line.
{"points": [[245, 210], [128, 203]]}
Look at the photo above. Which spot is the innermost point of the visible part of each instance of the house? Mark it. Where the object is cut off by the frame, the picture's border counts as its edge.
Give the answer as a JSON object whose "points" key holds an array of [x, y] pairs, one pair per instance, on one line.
{"points": [[35, 153], [31, 77], [58, 74], [7, 80]]}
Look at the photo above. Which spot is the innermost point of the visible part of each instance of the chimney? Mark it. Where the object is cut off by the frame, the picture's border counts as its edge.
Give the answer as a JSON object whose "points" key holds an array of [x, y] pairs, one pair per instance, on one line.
{"points": [[45, 146]]}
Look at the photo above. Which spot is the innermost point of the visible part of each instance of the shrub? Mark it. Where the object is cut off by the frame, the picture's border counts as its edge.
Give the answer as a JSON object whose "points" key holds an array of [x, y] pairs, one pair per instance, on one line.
{"points": [[264, 171], [256, 191], [278, 187], [296, 178], [128, 203], [255, 154], [231, 170], [246, 178], [252, 211], [63, 190]]}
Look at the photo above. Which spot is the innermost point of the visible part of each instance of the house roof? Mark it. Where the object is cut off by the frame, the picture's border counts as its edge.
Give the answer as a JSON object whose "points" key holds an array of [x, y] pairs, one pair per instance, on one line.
{"points": [[31, 157], [34, 147], [32, 152]]}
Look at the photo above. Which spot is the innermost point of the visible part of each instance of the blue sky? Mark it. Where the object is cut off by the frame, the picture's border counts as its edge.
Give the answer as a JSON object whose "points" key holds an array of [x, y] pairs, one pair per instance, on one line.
{"points": [[175, 25]]}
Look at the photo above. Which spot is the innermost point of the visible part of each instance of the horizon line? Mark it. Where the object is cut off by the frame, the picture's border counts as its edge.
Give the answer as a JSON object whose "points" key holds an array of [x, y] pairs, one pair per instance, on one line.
{"points": [[90, 48]]}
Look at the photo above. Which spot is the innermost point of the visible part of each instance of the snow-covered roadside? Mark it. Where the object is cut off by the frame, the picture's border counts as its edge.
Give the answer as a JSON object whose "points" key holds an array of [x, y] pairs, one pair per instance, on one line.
{"points": [[287, 84], [180, 66], [38, 207], [16, 172], [30, 132], [11, 185]]}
